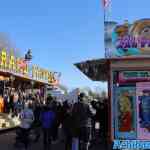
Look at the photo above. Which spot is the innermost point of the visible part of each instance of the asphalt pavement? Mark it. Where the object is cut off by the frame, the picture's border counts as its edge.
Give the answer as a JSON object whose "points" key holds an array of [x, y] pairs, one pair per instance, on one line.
{"points": [[7, 141]]}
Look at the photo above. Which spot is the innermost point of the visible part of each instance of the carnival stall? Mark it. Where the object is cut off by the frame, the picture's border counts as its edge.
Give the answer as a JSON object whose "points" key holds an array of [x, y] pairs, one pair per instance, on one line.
{"points": [[127, 72], [17, 74]]}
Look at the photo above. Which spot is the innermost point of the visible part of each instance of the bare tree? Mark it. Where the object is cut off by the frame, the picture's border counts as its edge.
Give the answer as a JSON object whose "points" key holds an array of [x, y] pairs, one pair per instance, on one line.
{"points": [[7, 43], [64, 88], [104, 94]]}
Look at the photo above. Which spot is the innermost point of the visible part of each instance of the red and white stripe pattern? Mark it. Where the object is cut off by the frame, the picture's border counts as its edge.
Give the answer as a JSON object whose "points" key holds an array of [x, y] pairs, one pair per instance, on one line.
{"points": [[106, 3]]}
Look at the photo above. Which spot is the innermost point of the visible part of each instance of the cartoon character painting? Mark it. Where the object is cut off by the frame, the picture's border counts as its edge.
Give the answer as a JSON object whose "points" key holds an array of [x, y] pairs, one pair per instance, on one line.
{"points": [[125, 112], [144, 112], [120, 32], [125, 116], [132, 39]]}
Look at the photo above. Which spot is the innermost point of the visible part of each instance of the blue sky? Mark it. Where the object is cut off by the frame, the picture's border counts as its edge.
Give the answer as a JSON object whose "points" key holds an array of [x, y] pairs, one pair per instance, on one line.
{"points": [[63, 32], [129, 10]]}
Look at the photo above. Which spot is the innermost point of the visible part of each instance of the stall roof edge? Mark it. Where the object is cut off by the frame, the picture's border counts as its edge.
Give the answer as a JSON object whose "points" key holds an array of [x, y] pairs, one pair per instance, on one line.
{"points": [[98, 69]]}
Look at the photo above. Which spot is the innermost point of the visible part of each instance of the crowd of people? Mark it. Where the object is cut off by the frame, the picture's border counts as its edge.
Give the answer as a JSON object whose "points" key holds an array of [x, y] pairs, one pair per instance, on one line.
{"points": [[13, 101], [77, 122]]}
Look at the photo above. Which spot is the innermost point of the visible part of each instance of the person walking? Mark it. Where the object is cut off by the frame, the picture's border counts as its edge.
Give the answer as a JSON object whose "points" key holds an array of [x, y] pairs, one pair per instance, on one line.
{"points": [[82, 114], [11, 103], [93, 130], [67, 125], [6, 102], [47, 120], [37, 123], [27, 118], [56, 124]]}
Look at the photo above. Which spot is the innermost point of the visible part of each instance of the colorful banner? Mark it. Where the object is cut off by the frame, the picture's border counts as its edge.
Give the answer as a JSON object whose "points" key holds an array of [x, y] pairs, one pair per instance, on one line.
{"points": [[131, 39], [125, 112], [143, 110]]}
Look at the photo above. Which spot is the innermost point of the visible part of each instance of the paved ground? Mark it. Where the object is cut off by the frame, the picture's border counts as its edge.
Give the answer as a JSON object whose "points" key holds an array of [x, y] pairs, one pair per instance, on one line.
{"points": [[7, 140]]}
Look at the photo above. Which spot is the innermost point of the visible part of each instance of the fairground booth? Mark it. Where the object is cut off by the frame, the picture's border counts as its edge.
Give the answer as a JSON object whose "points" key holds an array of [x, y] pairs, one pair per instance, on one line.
{"points": [[127, 72], [18, 74]]}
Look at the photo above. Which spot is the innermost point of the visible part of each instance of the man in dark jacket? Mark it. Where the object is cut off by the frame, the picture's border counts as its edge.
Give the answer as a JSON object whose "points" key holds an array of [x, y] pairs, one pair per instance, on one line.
{"points": [[67, 125], [82, 114], [47, 120], [37, 123]]}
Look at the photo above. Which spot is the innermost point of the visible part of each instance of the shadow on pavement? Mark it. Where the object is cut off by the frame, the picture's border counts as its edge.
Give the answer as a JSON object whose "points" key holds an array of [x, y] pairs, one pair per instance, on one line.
{"points": [[7, 143]]}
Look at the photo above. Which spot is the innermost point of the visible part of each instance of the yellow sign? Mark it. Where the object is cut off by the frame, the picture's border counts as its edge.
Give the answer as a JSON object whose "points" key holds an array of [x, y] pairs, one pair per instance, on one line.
{"points": [[9, 62], [42, 74], [3, 59]]}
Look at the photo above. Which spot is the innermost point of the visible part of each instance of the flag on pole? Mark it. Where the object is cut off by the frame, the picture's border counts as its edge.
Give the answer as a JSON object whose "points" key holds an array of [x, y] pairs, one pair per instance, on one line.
{"points": [[106, 3]]}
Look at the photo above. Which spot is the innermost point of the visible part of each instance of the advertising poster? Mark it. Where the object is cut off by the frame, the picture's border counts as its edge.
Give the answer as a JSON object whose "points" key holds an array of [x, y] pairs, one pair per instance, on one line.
{"points": [[143, 110], [128, 39], [125, 112]]}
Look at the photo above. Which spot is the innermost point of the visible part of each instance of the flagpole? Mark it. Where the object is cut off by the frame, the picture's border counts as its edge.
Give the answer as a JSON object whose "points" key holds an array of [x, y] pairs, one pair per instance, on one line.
{"points": [[106, 5], [104, 31]]}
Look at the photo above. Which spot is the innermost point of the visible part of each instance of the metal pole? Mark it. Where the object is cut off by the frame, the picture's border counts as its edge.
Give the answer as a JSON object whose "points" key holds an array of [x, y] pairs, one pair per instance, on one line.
{"points": [[104, 32], [106, 12]]}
